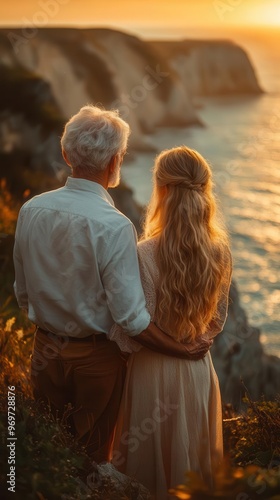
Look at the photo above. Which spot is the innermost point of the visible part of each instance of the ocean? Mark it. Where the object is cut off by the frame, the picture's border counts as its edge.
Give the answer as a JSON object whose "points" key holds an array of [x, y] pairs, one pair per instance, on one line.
{"points": [[241, 140]]}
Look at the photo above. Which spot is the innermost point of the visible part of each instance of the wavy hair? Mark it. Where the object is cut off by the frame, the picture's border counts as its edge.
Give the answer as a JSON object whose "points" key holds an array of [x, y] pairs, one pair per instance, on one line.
{"points": [[192, 250], [92, 137]]}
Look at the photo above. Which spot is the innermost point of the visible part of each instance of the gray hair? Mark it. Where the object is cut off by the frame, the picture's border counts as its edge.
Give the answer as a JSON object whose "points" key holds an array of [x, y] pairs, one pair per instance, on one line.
{"points": [[92, 137]]}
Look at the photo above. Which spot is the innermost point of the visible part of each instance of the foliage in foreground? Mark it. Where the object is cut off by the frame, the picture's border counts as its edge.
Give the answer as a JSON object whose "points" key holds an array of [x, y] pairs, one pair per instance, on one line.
{"points": [[49, 463], [254, 438], [46, 462], [248, 483], [252, 470]]}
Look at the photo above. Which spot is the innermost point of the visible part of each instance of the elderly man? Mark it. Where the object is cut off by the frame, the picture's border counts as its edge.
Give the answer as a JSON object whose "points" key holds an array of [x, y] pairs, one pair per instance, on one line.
{"points": [[77, 274]]}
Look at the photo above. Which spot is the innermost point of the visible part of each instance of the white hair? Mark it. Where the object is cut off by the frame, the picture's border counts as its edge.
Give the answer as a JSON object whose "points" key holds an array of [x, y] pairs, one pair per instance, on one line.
{"points": [[92, 137]]}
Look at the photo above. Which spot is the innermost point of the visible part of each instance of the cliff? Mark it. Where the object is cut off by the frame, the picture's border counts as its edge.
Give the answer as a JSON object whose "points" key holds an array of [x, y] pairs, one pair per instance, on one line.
{"points": [[209, 68], [152, 83], [29, 127], [105, 67], [238, 355]]}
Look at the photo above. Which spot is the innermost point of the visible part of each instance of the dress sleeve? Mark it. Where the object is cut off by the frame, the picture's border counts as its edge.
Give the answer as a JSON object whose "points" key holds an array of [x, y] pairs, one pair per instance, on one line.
{"points": [[218, 322], [149, 275]]}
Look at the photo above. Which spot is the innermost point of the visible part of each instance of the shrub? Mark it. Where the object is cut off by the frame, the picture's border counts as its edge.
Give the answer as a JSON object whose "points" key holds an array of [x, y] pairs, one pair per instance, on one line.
{"points": [[253, 438], [251, 469], [248, 483]]}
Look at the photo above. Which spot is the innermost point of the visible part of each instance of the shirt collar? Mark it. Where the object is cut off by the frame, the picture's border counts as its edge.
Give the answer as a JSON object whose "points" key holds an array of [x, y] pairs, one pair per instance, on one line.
{"points": [[86, 185]]}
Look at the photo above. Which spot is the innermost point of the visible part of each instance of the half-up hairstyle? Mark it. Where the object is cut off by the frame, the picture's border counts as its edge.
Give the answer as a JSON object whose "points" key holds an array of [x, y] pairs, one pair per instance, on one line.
{"points": [[192, 250]]}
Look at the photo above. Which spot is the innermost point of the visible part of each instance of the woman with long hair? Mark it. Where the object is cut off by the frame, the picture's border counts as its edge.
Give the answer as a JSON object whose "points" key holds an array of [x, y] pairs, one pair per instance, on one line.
{"points": [[170, 419]]}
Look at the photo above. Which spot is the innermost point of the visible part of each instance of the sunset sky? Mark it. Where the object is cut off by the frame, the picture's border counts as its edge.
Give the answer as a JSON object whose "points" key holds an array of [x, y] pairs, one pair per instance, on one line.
{"points": [[142, 15]]}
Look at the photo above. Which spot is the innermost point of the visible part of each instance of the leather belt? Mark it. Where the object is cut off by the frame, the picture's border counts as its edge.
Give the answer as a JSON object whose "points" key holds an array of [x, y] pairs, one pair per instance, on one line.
{"points": [[94, 336]]}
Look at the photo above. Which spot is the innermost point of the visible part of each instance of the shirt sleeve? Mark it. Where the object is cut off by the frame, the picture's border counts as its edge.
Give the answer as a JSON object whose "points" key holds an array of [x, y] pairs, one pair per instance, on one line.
{"points": [[122, 283], [20, 283]]}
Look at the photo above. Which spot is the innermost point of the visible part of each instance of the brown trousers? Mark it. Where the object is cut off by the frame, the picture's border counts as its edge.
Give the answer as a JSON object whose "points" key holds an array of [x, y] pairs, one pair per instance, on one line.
{"points": [[87, 374]]}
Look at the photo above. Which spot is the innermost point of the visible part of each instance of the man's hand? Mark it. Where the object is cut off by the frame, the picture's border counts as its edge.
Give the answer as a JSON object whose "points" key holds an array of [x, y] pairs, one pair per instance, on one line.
{"points": [[157, 340]]}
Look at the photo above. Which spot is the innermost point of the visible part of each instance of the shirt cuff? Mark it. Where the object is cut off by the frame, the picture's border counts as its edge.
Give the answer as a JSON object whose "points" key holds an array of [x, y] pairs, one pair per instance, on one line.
{"points": [[139, 324]]}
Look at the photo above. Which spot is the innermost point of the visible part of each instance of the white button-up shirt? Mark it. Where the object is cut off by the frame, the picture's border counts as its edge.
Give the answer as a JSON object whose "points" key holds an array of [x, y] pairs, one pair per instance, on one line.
{"points": [[76, 263]]}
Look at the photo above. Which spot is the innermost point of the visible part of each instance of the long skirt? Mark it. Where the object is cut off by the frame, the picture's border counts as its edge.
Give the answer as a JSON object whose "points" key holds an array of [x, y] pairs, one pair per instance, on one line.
{"points": [[170, 421]]}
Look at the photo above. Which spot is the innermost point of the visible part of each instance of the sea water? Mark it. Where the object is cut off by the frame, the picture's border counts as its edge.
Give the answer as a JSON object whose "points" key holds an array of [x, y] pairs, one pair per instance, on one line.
{"points": [[241, 140]]}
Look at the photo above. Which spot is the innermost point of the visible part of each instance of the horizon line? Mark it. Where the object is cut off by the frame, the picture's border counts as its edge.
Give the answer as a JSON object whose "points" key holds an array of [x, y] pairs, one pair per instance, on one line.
{"points": [[120, 26]]}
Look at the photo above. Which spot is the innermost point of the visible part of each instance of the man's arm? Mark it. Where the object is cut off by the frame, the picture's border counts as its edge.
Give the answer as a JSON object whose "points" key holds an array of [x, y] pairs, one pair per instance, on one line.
{"points": [[157, 340]]}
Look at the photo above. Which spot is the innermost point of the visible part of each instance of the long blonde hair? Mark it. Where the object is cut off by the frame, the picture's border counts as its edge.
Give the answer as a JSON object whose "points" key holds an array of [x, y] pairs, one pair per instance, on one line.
{"points": [[192, 248]]}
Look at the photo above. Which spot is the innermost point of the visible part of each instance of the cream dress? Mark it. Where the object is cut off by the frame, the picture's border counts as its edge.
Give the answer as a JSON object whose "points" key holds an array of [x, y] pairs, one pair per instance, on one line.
{"points": [[170, 419]]}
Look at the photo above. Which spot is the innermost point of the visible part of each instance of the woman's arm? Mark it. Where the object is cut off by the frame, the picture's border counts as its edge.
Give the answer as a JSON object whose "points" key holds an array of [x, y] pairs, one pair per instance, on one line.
{"points": [[217, 324]]}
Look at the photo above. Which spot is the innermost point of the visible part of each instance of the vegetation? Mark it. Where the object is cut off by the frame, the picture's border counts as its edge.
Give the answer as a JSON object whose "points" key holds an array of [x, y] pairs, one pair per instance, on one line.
{"points": [[252, 467], [248, 483], [255, 436], [8, 210]]}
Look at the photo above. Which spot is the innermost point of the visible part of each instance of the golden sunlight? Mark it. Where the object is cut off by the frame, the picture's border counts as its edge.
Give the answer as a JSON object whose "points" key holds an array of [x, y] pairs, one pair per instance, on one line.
{"points": [[266, 14], [127, 14]]}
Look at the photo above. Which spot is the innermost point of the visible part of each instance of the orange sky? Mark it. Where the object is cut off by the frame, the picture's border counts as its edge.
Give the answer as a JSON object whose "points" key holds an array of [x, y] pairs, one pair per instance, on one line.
{"points": [[142, 14]]}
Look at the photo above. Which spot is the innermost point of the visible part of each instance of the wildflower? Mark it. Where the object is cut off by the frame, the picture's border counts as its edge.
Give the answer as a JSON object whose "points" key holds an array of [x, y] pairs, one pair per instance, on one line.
{"points": [[19, 333], [9, 323]]}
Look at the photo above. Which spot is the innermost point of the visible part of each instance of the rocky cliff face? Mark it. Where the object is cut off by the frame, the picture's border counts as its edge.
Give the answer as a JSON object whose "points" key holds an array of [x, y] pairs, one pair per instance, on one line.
{"points": [[208, 68], [152, 83], [30, 124], [238, 355], [105, 67]]}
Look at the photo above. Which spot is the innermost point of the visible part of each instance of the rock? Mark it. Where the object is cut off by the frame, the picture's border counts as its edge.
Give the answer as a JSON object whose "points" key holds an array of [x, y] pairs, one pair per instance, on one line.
{"points": [[238, 355], [122, 483], [29, 129], [124, 201]]}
